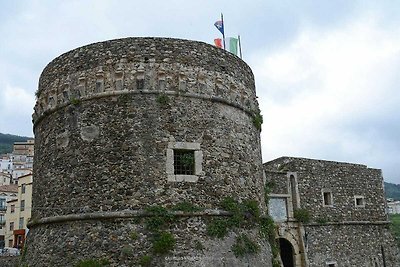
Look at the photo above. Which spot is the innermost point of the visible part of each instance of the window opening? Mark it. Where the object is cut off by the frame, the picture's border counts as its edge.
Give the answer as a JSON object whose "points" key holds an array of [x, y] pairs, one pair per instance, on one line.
{"points": [[328, 199], [184, 162], [140, 83], [359, 201], [22, 205]]}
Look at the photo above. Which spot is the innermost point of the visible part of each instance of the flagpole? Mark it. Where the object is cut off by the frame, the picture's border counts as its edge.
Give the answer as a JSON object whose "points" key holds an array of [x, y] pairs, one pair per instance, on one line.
{"points": [[240, 47], [223, 32]]}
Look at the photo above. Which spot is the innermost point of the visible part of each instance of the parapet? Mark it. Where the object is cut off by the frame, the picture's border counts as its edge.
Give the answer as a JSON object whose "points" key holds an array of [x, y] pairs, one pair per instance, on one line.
{"points": [[145, 65]]}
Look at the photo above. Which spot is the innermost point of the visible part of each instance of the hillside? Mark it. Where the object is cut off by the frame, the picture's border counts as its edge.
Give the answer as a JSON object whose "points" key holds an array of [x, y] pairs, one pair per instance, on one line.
{"points": [[392, 191], [7, 141]]}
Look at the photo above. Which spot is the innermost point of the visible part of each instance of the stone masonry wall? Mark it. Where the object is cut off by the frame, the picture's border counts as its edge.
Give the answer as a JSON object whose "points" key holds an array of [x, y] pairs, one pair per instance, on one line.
{"points": [[351, 245], [343, 233], [106, 118], [344, 181]]}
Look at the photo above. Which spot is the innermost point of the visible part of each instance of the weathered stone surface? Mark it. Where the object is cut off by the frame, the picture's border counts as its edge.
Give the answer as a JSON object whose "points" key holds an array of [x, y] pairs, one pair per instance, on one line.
{"points": [[105, 117]]}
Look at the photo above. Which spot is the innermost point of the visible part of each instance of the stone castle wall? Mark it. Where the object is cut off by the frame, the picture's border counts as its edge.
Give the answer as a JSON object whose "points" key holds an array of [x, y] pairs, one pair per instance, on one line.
{"points": [[369, 245], [342, 232], [345, 181], [108, 119]]}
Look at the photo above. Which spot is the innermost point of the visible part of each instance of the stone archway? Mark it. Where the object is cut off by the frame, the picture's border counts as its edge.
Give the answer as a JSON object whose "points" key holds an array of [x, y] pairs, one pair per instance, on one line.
{"points": [[287, 253]]}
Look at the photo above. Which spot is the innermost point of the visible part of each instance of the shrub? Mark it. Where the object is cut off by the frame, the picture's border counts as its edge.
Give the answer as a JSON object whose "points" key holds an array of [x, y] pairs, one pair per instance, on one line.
{"points": [[159, 219], [258, 120], [163, 242], [217, 227]]}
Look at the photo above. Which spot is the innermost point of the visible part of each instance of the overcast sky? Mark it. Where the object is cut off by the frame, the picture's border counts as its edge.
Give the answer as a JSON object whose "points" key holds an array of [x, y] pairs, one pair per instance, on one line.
{"points": [[327, 72]]}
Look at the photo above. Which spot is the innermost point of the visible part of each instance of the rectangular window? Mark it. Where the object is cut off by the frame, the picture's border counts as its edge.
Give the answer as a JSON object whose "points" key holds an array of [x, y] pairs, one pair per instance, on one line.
{"points": [[22, 205], [12, 208], [10, 243], [2, 203], [11, 226], [140, 83], [359, 201], [327, 199], [184, 162], [21, 223], [23, 188]]}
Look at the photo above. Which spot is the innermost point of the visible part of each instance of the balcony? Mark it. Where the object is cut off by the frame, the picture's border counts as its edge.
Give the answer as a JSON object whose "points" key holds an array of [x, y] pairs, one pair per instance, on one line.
{"points": [[2, 208]]}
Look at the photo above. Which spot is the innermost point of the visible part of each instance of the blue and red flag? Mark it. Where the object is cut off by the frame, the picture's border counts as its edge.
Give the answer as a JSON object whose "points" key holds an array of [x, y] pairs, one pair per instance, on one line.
{"points": [[220, 25]]}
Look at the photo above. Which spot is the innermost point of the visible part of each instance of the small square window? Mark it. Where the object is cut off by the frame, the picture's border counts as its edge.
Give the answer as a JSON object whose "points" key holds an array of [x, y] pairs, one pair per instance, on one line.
{"points": [[327, 198], [184, 162], [359, 201]]}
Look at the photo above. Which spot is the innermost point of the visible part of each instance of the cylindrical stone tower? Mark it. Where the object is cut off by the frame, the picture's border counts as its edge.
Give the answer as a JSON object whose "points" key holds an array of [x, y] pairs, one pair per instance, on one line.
{"points": [[133, 123]]}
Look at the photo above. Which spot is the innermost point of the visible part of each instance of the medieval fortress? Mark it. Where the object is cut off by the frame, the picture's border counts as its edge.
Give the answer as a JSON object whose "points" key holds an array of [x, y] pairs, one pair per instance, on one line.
{"points": [[129, 130]]}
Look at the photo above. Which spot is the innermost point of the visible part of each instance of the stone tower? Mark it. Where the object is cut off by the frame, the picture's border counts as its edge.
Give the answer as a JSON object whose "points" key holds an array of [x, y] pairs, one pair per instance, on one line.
{"points": [[128, 124]]}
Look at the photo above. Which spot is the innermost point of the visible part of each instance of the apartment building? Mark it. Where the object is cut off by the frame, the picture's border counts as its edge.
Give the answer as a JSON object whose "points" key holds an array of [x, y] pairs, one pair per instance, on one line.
{"points": [[18, 213]]}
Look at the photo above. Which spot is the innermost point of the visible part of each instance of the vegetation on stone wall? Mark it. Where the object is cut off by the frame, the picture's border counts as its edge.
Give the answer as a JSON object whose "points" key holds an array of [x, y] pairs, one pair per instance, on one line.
{"points": [[163, 242], [75, 101], [244, 246], [302, 215], [321, 220], [186, 207], [258, 120], [162, 99], [145, 260], [244, 214]]}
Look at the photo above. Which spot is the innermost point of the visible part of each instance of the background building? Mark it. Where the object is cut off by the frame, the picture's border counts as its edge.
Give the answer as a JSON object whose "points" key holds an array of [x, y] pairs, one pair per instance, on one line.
{"points": [[19, 213], [7, 193]]}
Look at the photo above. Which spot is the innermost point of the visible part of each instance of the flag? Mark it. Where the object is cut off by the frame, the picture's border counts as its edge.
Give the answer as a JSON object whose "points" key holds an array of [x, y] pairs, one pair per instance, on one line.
{"points": [[218, 42], [233, 45], [220, 26]]}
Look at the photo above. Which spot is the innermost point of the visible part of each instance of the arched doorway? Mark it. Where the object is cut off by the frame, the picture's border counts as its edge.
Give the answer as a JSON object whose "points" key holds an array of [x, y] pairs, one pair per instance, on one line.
{"points": [[287, 253]]}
